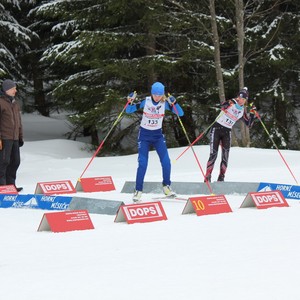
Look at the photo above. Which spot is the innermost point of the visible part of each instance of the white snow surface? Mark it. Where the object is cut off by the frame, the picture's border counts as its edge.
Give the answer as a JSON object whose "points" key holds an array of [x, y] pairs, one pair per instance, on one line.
{"points": [[246, 254]]}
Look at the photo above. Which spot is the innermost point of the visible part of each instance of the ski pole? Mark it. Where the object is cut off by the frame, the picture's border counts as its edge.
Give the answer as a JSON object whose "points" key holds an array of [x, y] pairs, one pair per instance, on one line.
{"points": [[188, 139], [112, 127], [200, 135], [265, 128]]}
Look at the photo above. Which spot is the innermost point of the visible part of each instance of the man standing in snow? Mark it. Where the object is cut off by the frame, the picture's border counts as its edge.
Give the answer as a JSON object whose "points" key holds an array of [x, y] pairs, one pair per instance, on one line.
{"points": [[11, 134], [150, 134], [220, 134]]}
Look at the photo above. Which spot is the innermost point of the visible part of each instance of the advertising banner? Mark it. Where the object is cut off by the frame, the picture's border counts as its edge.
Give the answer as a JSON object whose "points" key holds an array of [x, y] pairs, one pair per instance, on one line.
{"points": [[95, 184], [66, 221], [141, 213], [263, 200], [207, 205], [288, 191], [35, 201]]}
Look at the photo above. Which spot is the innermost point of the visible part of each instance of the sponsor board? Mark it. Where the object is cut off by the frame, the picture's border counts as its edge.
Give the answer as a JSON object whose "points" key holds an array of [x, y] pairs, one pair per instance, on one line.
{"points": [[8, 189], [141, 213], [66, 221], [288, 191], [35, 201], [55, 187], [95, 184], [263, 200], [207, 205]]}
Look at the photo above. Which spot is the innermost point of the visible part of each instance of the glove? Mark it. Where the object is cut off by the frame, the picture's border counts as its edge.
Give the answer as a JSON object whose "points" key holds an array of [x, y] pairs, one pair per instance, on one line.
{"points": [[253, 108], [21, 142], [171, 100], [0, 144], [131, 97], [227, 103], [232, 102]]}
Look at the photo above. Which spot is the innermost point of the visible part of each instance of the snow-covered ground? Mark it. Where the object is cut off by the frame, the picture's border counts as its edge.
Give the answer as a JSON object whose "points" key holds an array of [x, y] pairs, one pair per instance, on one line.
{"points": [[246, 254]]}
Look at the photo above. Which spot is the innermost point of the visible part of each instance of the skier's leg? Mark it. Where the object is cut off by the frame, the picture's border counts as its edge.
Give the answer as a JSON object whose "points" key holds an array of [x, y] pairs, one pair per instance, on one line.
{"points": [[225, 144], [214, 145], [162, 151], [143, 154]]}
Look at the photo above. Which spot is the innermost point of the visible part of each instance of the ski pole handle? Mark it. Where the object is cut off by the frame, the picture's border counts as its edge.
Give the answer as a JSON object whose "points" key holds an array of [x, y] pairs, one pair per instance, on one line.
{"points": [[131, 98], [103, 141]]}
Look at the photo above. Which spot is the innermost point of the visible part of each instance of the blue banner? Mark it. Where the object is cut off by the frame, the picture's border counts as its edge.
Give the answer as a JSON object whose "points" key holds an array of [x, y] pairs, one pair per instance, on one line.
{"points": [[35, 201], [288, 191]]}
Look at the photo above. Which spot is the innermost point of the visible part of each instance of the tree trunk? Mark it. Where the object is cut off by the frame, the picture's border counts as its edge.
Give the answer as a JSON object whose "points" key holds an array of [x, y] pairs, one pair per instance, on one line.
{"points": [[239, 8], [39, 96], [216, 42]]}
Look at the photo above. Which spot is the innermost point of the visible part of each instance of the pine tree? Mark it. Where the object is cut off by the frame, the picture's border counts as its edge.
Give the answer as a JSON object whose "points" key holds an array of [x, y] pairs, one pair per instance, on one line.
{"points": [[103, 50], [15, 40], [96, 52]]}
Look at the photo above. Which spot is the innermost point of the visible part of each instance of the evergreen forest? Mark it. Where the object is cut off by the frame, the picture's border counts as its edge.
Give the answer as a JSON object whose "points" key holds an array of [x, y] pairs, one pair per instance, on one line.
{"points": [[83, 57]]}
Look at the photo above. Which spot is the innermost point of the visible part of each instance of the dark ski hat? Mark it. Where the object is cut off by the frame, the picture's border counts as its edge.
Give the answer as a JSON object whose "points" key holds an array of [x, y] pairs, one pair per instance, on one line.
{"points": [[244, 93], [157, 89], [8, 84]]}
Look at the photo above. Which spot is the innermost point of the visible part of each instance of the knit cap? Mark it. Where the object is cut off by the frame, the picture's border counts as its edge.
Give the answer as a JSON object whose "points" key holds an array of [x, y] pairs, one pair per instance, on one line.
{"points": [[7, 85], [158, 89]]}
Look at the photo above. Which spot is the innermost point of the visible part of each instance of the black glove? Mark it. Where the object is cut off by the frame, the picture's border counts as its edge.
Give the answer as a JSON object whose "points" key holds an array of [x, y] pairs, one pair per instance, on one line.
{"points": [[21, 142], [232, 102], [227, 103]]}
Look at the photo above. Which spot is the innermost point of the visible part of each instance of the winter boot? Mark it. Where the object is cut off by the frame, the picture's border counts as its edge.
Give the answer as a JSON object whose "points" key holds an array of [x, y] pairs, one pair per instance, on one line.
{"points": [[221, 177], [207, 178], [168, 191], [137, 196]]}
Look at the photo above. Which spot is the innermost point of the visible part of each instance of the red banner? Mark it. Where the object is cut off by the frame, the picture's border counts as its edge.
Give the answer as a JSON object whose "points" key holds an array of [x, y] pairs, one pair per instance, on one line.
{"points": [[95, 184], [8, 189], [263, 200], [141, 213], [55, 187], [207, 205], [66, 221]]}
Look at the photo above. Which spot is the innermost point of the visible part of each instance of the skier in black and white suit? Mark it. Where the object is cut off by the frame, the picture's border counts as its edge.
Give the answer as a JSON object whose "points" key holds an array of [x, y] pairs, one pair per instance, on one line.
{"points": [[220, 134]]}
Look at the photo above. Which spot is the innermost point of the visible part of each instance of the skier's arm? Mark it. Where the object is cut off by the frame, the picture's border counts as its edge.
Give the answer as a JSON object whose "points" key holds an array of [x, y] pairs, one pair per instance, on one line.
{"points": [[227, 103], [248, 119], [133, 107], [173, 106]]}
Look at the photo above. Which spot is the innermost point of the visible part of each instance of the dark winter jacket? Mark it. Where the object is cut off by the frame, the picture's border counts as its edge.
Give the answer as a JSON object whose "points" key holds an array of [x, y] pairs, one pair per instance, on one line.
{"points": [[10, 118]]}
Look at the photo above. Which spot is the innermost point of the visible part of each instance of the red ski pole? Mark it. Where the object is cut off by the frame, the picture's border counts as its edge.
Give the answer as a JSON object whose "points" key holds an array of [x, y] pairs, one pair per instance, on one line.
{"points": [[112, 127], [265, 128], [200, 136], [190, 145]]}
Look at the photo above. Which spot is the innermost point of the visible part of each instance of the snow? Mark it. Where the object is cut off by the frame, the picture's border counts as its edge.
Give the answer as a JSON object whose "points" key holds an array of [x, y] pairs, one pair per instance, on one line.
{"points": [[246, 254]]}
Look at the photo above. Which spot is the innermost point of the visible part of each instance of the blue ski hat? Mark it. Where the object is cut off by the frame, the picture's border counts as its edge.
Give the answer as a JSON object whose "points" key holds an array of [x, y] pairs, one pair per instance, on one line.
{"points": [[158, 89]]}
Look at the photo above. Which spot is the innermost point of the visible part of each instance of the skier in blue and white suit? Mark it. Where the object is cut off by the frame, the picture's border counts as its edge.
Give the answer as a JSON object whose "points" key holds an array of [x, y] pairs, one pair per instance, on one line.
{"points": [[150, 134]]}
